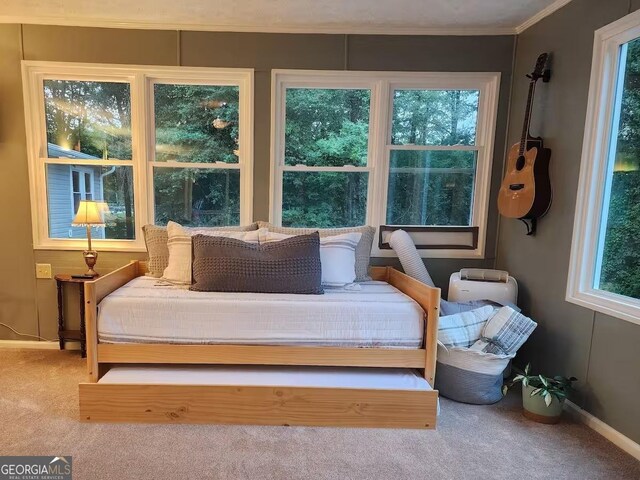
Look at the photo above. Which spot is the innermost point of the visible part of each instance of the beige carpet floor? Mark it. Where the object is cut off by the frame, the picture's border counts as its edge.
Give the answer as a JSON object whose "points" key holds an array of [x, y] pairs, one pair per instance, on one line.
{"points": [[38, 416]]}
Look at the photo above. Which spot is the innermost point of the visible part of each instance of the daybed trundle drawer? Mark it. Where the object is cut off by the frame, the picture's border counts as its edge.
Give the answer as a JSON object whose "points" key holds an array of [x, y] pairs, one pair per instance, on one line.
{"points": [[396, 398]]}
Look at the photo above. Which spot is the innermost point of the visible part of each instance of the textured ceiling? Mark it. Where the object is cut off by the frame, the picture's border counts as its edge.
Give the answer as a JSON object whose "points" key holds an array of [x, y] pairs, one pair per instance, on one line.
{"points": [[357, 16]]}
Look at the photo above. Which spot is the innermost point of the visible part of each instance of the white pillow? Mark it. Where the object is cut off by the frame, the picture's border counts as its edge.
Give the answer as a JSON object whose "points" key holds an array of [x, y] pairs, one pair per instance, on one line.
{"points": [[178, 269], [337, 255]]}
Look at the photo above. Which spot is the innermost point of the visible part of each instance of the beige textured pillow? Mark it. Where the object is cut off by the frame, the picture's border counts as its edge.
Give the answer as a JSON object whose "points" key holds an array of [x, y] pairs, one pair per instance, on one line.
{"points": [[156, 237], [363, 250], [179, 266]]}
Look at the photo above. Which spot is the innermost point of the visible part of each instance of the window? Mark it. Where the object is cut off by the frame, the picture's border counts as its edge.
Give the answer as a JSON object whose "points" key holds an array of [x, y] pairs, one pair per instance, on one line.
{"points": [[432, 157], [196, 170], [153, 143], [350, 148], [604, 274], [325, 173], [88, 122]]}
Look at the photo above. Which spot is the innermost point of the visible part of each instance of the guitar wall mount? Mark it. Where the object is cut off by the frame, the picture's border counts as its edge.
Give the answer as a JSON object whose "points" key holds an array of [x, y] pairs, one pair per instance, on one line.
{"points": [[531, 224]]}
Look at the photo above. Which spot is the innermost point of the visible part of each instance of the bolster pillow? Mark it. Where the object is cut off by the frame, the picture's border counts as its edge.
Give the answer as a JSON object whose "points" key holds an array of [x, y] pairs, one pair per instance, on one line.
{"points": [[409, 257]]}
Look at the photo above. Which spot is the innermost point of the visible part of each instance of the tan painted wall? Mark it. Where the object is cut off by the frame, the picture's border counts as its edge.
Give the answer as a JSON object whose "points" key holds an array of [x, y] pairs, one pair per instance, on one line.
{"points": [[30, 305], [601, 351], [17, 280]]}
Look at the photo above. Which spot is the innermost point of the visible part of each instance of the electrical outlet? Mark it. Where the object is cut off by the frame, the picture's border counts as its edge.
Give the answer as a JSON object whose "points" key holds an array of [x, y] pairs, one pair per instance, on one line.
{"points": [[43, 270]]}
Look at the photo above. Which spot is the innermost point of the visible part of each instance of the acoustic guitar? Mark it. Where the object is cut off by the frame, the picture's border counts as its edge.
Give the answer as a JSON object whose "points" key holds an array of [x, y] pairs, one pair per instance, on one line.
{"points": [[526, 189]]}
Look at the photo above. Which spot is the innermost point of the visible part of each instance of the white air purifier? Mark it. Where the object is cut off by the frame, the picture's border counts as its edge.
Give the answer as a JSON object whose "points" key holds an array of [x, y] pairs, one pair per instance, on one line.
{"points": [[483, 284]]}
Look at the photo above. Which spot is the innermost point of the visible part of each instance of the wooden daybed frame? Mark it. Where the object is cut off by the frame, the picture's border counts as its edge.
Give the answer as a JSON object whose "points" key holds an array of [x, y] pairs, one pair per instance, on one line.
{"points": [[162, 403]]}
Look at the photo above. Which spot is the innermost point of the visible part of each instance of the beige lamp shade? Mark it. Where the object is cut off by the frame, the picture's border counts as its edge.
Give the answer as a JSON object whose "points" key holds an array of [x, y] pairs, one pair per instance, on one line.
{"points": [[104, 208], [89, 213]]}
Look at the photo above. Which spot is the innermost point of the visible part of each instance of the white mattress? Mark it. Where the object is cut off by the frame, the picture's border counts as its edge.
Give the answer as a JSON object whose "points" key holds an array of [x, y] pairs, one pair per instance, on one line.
{"points": [[147, 310], [378, 378]]}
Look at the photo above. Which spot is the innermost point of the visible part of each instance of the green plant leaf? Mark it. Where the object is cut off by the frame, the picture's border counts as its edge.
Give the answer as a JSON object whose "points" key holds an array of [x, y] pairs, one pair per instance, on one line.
{"points": [[518, 378], [543, 380], [547, 399], [527, 369], [535, 392], [534, 382], [505, 389], [525, 381]]}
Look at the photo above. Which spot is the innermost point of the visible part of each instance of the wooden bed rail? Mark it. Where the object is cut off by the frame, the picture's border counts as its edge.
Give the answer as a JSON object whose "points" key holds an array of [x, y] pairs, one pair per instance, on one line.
{"points": [[429, 299], [230, 354], [94, 292], [104, 354]]}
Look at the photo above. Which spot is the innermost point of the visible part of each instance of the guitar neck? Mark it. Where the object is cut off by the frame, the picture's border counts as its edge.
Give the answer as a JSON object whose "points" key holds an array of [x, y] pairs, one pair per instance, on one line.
{"points": [[527, 118]]}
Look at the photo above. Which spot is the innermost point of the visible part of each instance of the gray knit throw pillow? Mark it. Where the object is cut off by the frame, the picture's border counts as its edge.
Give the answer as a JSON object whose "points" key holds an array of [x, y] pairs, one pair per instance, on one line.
{"points": [[222, 264]]}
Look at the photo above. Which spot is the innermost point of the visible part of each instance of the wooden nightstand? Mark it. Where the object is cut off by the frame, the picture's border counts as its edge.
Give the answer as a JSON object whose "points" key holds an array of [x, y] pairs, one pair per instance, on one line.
{"points": [[63, 333]]}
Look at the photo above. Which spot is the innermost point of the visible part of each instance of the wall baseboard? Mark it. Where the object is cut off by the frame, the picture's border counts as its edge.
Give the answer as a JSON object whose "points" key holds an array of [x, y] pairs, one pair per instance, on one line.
{"points": [[618, 439], [37, 345]]}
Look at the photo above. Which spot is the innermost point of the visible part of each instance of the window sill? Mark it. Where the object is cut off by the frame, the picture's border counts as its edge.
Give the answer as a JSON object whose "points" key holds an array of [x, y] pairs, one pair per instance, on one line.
{"points": [[611, 304], [476, 254], [134, 246]]}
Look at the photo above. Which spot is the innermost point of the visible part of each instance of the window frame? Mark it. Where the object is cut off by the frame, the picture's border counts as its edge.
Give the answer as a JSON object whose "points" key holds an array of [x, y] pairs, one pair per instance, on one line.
{"points": [[592, 197], [139, 78], [382, 85], [320, 80]]}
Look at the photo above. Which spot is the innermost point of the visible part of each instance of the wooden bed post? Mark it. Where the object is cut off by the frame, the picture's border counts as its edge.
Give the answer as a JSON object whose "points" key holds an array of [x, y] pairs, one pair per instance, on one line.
{"points": [[431, 336], [91, 315]]}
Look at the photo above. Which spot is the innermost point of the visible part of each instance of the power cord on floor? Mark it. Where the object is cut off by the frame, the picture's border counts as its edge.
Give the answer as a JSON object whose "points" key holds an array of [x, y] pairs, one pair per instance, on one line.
{"points": [[26, 334]]}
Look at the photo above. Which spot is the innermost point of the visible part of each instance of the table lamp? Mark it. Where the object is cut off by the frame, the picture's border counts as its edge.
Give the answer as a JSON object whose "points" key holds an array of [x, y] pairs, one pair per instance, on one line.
{"points": [[89, 214]]}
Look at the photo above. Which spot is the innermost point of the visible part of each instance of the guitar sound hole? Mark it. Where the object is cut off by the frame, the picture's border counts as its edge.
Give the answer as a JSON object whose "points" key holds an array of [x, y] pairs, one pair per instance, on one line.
{"points": [[520, 162]]}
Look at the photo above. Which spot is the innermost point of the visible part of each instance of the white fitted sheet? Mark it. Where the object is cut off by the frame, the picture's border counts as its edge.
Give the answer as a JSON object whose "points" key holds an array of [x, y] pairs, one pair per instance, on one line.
{"points": [[377, 378], [147, 310]]}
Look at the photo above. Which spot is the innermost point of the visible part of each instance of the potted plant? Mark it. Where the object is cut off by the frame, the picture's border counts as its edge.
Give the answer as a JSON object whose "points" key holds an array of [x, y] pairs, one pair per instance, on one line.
{"points": [[542, 397]]}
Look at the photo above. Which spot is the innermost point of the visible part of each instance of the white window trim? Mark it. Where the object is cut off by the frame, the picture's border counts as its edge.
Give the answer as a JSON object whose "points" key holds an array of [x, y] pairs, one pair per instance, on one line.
{"points": [[592, 192], [142, 139], [381, 84]]}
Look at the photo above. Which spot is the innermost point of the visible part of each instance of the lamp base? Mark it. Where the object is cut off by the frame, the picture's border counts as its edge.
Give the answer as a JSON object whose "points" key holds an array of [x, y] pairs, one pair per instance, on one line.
{"points": [[90, 258]]}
